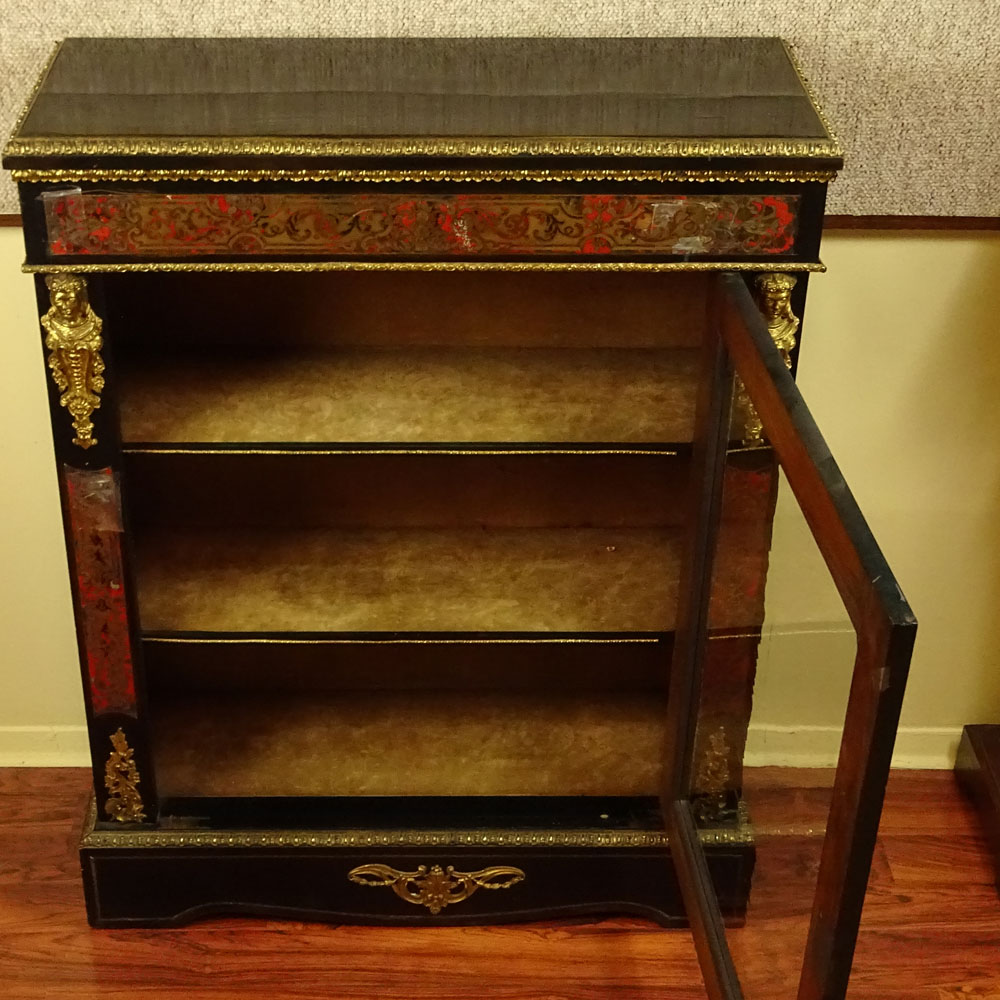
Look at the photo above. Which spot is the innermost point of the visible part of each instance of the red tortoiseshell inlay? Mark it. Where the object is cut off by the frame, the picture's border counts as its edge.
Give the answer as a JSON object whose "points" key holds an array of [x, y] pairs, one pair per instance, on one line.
{"points": [[744, 542], [154, 224], [95, 525]]}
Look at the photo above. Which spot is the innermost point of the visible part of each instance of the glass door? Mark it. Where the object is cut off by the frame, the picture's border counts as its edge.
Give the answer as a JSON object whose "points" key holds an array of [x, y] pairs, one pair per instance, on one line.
{"points": [[834, 639]]}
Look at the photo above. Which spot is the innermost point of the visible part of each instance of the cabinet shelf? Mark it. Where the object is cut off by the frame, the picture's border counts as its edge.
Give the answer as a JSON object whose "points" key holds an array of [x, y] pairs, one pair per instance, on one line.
{"points": [[412, 395], [427, 580], [409, 743], [388, 580]]}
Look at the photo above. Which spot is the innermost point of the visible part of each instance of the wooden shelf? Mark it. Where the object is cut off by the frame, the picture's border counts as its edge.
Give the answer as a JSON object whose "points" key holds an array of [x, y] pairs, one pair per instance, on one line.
{"points": [[412, 395], [467, 579], [410, 743], [513, 580]]}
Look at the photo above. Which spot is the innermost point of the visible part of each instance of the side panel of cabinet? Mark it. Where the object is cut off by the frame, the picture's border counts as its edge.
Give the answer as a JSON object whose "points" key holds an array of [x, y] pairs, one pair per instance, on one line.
{"points": [[161, 886], [83, 410]]}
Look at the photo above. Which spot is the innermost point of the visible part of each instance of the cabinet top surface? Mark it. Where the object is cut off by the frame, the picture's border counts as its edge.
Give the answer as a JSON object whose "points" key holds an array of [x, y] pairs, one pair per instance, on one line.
{"points": [[157, 98]]}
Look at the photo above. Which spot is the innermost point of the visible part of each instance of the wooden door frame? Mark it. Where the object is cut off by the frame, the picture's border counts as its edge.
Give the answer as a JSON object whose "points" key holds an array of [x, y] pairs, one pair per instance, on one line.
{"points": [[738, 340]]}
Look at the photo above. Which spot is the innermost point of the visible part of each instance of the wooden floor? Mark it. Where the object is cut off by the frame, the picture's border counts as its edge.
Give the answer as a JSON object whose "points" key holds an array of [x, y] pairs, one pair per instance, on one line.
{"points": [[931, 929]]}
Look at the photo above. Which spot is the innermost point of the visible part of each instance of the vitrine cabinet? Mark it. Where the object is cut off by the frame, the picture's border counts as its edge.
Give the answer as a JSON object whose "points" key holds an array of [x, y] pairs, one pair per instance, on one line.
{"points": [[388, 411]]}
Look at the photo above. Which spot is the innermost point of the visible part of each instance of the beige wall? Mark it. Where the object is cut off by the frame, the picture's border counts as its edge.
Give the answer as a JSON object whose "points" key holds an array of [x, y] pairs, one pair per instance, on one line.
{"points": [[900, 364], [41, 705]]}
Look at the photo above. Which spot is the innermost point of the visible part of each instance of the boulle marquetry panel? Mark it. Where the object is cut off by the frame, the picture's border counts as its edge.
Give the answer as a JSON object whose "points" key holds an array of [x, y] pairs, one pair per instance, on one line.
{"points": [[377, 387], [247, 224], [93, 511]]}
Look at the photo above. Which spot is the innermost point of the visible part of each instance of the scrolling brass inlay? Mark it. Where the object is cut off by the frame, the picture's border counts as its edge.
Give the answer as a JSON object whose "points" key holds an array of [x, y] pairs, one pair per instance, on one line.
{"points": [[738, 834], [775, 296], [464, 224], [436, 887], [121, 779], [73, 339]]}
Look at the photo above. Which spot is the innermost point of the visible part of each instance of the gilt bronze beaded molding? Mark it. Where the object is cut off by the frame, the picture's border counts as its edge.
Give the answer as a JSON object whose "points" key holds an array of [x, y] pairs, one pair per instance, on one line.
{"points": [[428, 265], [247, 641], [811, 94], [471, 450], [375, 176], [740, 833], [19, 121], [520, 641], [457, 146]]}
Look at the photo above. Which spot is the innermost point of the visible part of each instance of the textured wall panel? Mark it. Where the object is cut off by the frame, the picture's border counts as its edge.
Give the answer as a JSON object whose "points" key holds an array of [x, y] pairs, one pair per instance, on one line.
{"points": [[910, 87]]}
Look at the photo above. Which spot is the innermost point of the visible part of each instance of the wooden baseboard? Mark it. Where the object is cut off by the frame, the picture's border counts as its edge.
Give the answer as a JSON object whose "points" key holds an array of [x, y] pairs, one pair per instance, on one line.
{"points": [[978, 771], [954, 223]]}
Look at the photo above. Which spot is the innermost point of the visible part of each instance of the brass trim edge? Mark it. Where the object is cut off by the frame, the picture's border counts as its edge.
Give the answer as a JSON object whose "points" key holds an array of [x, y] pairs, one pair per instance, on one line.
{"points": [[19, 121], [397, 642], [427, 642], [396, 146], [375, 176], [813, 98], [397, 451], [431, 265], [93, 839]]}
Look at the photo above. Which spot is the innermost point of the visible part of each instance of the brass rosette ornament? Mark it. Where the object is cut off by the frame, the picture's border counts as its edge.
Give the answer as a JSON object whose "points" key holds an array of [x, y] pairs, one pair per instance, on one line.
{"points": [[436, 887]]}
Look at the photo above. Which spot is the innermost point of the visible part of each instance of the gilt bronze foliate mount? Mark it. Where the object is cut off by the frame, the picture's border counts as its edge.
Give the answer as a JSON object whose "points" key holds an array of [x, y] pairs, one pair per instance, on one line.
{"points": [[73, 340], [436, 887], [121, 779], [774, 292]]}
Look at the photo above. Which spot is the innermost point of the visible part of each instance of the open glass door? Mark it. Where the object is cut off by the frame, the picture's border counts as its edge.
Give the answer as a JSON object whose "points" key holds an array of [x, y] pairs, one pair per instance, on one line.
{"points": [[831, 648]]}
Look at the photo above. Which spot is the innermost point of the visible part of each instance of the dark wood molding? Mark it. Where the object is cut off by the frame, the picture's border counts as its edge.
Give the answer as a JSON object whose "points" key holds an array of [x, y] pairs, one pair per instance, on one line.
{"points": [[912, 222], [885, 628], [708, 465], [702, 905], [10, 219]]}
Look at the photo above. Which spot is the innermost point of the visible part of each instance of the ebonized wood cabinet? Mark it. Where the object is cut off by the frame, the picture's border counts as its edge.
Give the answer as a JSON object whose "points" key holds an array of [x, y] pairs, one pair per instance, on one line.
{"points": [[390, 400]]}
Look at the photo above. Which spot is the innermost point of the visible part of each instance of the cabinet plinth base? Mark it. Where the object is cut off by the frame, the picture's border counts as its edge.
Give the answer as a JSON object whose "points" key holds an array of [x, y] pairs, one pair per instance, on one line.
{"points": [[143, 877]]}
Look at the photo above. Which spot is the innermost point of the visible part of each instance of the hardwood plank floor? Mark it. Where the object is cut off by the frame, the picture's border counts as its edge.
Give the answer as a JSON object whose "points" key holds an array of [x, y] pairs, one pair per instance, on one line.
{"points": [[931, 929]]}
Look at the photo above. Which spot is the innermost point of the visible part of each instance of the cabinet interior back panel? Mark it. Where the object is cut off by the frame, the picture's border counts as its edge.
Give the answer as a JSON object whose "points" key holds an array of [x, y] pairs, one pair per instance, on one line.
{"points": [[411, 743]]}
